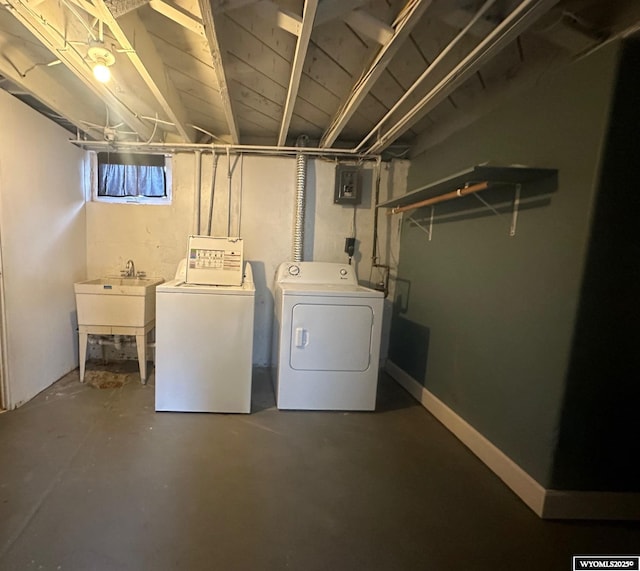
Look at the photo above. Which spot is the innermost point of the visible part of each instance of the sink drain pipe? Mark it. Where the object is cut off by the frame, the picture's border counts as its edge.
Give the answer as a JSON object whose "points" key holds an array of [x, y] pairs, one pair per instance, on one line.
{"points": [[301, 182]]}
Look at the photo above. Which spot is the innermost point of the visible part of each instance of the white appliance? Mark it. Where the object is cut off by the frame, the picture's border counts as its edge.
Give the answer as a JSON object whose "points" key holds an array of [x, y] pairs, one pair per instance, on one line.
{"points": [[326, 338], [204, 344], [214, 261]]}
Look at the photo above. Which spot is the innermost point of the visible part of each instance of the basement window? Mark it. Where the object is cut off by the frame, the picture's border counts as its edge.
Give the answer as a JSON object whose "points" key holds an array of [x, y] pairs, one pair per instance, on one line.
{"points": [[132, 178]]}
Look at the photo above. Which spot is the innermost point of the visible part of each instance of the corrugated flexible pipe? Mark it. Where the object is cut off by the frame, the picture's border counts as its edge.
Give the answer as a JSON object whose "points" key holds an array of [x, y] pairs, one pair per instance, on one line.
{"points": [[301, 183]]}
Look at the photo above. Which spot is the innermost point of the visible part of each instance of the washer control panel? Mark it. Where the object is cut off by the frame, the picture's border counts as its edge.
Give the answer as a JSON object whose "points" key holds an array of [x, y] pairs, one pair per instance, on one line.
{"points": [[214, 261], [316, 273]]}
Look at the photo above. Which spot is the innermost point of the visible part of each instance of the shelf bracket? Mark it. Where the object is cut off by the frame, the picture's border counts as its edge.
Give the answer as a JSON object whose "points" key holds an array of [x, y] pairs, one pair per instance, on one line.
{"points": [[514, 214], [428, 231]]}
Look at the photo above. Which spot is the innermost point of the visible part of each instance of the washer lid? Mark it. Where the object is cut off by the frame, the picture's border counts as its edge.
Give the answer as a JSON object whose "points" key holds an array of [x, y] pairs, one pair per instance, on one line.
{"points": [[329, 290]]}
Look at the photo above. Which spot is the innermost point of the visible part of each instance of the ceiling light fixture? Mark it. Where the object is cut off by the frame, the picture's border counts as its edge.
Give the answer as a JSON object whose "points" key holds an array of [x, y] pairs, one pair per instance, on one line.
{"points": [[102, 59]]}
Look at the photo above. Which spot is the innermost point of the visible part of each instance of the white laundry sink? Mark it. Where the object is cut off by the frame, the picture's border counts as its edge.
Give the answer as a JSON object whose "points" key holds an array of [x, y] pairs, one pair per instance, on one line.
{"points": [[123, 302]]}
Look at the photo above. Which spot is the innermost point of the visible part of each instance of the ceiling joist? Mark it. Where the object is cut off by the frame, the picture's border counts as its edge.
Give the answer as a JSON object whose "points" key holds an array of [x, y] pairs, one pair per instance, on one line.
{"points": [[369, 26], [223, 6], [308, 16], [39, 84], [86, 6], [178, 15], [288, 21], [521, 18], [47, 28], [219, 57], [333, 9], [149, 65], [411, 14]]}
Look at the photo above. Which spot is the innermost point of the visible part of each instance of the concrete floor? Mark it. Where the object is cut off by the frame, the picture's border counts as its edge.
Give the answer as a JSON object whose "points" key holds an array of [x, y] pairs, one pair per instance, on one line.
{"points": [[96, 480]]}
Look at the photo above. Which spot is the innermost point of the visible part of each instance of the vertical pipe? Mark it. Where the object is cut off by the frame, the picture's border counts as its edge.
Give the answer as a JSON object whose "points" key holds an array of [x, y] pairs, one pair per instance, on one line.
{"points": [[229, 175], [198, 184], [240, 199], [301, 180], [213, 191], [374, 253]]}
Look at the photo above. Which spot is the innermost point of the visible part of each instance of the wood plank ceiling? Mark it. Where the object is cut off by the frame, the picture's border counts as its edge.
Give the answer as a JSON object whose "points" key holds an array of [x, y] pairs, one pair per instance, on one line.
{"points": [[371, 75]]}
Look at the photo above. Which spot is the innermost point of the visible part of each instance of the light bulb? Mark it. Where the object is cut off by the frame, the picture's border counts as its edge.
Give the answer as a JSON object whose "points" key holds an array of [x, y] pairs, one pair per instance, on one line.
{"points": [[101, 72]]}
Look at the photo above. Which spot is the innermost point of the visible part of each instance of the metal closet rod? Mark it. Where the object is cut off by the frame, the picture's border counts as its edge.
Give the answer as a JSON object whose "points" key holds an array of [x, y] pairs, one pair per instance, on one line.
{"points": [[441, 197], [258, 149]]}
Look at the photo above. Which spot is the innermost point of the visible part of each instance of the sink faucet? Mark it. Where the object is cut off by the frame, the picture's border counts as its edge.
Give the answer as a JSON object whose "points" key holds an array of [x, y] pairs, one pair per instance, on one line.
{"points": [[130, 270]]}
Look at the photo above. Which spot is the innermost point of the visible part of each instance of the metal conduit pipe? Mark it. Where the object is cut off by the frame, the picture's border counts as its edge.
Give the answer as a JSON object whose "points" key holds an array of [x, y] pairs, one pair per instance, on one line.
{"points": [[427, 72], [213, 191], [525, 14], [229, 181], [301, 182], [198, 194], [208, 148]]}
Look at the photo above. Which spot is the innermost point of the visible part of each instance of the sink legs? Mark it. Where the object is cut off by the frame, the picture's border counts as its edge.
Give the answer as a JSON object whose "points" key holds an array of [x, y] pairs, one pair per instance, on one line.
{"points": [[83, 340], [141, 345], [141, 334]]}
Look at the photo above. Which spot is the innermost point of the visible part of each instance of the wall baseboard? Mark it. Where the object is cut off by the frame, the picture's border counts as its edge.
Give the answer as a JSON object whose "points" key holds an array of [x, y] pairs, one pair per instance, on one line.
{"points": [[548, 504]]}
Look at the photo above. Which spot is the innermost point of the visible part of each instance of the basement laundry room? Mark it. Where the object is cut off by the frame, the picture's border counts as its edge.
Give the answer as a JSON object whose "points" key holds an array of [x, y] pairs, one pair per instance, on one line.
{"points": [[298, 285]]}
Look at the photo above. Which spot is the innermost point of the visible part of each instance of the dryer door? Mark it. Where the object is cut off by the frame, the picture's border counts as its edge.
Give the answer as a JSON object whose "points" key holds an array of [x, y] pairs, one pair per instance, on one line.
{"points": [[331, 337]]}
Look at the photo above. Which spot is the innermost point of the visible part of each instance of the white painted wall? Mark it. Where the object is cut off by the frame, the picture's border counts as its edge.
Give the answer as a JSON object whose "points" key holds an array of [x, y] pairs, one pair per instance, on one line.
{"points": [[262, 204], [42, 230]]}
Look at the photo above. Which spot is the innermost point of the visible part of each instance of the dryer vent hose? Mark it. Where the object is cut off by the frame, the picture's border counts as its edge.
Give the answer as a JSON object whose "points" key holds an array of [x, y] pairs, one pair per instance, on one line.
{"points": [[301, 183]]}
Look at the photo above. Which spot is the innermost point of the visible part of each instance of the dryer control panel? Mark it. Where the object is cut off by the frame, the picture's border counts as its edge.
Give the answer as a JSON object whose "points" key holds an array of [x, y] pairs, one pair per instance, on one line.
{"points": [[316, 273]]}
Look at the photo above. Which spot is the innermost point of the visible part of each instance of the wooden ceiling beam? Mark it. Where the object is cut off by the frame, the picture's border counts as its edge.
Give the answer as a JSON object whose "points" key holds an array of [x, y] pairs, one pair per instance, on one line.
{"points": [[284, 19], [308, 17], [219, 57], [411, 14], [41, 84], [86, 6], [131, 34], [48, 28], [179, 16], [369, 26], [289, 22], [335, 9], [519, 20]]}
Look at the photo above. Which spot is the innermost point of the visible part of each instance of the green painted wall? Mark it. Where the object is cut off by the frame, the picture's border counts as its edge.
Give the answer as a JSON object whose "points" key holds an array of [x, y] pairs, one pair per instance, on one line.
{"points": [[486, 321]]}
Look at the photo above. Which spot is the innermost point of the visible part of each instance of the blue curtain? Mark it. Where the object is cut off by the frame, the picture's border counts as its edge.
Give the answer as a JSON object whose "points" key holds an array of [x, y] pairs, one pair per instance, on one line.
{"points": [[130, 180]]}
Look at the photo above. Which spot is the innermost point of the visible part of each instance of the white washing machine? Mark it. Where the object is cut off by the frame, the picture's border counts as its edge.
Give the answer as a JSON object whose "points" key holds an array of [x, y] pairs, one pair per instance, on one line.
{"points": [[204, 345], [327, 332]]}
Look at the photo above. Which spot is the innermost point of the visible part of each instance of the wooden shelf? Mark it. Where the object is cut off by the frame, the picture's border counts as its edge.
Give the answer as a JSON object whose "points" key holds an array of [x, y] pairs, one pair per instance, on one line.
{"points": [[493, 175]]}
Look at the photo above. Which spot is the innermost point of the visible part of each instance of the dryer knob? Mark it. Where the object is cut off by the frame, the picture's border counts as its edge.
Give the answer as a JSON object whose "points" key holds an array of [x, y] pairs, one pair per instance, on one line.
{"points": [[343, 272], [294, 270]]}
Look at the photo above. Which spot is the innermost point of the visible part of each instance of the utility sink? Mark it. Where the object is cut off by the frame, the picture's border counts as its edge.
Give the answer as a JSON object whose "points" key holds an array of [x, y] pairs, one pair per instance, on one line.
{"points": [[123, 302]]}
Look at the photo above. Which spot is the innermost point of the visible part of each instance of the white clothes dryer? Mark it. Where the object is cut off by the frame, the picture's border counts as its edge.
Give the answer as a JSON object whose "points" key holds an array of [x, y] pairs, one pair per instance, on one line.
{"points": [[327, 331]]}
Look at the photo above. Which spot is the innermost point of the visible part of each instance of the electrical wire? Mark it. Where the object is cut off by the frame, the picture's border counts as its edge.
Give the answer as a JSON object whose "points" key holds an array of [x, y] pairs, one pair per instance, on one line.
{"points": [[153, 133]]}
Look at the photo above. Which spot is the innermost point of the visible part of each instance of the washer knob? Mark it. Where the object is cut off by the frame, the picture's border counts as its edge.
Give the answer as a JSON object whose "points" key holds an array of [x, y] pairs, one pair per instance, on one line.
{"points": [[294, 270], [343, 272]]}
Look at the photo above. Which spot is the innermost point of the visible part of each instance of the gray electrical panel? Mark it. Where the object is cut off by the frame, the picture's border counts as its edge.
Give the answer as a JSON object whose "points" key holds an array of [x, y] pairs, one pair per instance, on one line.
{"points": [[348, 185]]}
